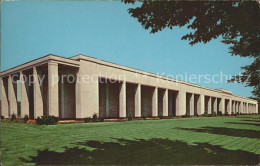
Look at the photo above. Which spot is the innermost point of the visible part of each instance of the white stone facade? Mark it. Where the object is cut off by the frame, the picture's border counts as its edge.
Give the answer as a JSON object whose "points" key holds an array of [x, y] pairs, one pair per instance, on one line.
{"points": [[113, 91]]}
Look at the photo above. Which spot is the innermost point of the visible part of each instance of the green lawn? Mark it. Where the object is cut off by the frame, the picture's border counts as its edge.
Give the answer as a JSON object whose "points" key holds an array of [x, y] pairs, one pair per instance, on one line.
{"points": [[218, 140]]}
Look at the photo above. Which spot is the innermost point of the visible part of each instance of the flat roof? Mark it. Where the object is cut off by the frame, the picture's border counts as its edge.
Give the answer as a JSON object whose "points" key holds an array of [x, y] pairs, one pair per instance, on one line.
{"points": [[41, 61]]}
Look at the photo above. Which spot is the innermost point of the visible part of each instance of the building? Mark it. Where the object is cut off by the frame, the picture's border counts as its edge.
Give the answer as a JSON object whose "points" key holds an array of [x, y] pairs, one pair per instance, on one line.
{"points": [[80, 86]]}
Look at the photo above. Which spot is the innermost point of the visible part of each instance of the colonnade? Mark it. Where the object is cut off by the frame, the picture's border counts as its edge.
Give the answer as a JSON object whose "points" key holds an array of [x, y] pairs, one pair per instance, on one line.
{"points": [[39, 95], [183, 102]]}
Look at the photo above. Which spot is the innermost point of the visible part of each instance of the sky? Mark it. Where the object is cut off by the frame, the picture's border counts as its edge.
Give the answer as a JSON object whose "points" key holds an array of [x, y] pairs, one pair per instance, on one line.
{"points": [[105, 30]]}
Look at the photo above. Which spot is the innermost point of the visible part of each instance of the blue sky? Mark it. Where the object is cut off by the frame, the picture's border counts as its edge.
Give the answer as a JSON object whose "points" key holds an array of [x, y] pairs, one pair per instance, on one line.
{"points": [[106, 31]]}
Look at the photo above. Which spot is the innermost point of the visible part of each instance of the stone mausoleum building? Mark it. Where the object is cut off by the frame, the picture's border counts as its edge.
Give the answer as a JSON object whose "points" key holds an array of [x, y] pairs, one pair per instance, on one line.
{"points": [[113, 91]]}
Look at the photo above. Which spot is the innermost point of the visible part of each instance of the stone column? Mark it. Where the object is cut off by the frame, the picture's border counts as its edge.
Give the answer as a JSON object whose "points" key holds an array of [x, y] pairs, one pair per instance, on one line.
{"points": [[192, 104], [209, 106], [138, 101], [230, 106], [247, 111], [155, 103], [181, 103], [12, 95], [122, 100], [165, 103], [24, 95], [215, 107], [222, 105], [4, 98], [53, 94], [237, 107], [256, 108], [201, 103], [241, 107], [37, 94]]}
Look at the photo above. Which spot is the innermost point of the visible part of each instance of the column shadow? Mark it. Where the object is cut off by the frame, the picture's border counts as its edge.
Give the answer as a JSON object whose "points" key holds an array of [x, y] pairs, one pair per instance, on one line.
{"points": [[144, 152], [247, 120], [226, 131], [252, 124]]}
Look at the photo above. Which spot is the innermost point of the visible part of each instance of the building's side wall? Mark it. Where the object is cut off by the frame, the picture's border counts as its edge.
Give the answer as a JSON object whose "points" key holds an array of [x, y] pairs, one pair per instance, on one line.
{"points": [[88, 93]]}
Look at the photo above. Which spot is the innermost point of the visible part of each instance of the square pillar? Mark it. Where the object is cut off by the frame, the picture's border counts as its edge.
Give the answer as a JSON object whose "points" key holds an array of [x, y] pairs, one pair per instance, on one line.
{"points": [[222, 105], [181, 103], [53, 89], [192, 104], [215, 106], [37, 95], [4, 98], [155, 103], [230, 107], [209, 105], [165, 103], [24, 95], [241, 107], [247, 111], [122, 100], [237, 110], [138, 101], [201, 103], [12, 95]]}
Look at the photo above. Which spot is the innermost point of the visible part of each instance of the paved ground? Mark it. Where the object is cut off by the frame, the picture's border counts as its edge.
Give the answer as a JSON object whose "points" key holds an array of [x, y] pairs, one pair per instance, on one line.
{"points": [[218, 140]]}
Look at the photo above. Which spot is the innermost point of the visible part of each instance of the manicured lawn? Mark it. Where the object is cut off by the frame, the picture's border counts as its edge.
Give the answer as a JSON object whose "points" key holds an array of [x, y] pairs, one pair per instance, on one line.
{"points": [[218, 140]]}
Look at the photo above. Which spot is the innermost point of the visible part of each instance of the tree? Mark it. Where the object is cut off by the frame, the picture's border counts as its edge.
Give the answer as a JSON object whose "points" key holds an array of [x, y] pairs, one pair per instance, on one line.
{"points": [[237, 22]]}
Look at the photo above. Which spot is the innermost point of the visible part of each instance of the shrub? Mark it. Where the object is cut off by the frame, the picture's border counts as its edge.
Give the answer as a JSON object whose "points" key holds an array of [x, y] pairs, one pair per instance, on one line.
{"points": [[101, 119], [26, 118], [226, 114], [130, 116], [205, 114], [213, 113], [220, 113], [95, 117], [186, 115], [13, 117], [160, 115], [47, 120], [88, 119], [144, 116], [232, 113], [2, 117], [170, 114]]}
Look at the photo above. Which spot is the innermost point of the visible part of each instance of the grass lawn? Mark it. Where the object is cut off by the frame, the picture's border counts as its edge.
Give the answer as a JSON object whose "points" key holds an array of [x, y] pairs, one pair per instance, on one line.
{"points": [[215, 140]]}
